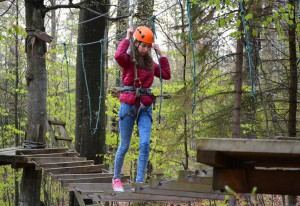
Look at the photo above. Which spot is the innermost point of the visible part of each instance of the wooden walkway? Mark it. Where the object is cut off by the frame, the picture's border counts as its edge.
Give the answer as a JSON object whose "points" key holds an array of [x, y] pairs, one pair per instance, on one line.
{"points": [[93, 182], [270, 165]]}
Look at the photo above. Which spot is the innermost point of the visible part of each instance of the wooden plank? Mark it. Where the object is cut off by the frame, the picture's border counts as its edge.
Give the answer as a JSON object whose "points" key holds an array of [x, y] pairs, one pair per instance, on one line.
{"points": [[67, 154], [249, 145], [129, 196], [11, 159], [8, 151], [79, 198], [194, 176], [94, 187], [56, 122], [180, 193], [181, 186], [79, 176], [44, 160], [218, 159], [284, 182], [40, 151], [63, 164], [75, 170], [65, 182], [223, 152], [63, 138]]}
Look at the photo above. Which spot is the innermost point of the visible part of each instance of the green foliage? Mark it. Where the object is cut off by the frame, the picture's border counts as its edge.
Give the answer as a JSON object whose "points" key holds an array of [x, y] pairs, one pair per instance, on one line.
{"points": [[17, 29]]}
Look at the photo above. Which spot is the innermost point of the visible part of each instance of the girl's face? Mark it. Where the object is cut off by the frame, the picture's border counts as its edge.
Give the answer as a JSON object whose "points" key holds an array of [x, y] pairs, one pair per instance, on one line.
{"points": [[143, 48]]}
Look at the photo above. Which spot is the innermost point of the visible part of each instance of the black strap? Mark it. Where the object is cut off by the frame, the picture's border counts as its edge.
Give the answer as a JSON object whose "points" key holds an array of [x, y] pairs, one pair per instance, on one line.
{"points": [[128, 113], [138, 112]]}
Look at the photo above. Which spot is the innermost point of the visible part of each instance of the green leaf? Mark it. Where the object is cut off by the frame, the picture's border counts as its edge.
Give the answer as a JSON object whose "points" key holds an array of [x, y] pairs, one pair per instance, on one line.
{"points": [[248, 16], [255, 33], [222, 23], [290, 22]]}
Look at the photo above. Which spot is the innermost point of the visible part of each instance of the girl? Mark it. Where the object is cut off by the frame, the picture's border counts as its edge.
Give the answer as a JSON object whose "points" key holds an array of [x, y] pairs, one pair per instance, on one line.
{"points": [[138, 71]]}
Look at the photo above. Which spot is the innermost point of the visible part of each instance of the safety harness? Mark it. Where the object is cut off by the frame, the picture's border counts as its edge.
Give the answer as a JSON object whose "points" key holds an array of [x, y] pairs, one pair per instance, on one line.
{"points": [[139, 93]]}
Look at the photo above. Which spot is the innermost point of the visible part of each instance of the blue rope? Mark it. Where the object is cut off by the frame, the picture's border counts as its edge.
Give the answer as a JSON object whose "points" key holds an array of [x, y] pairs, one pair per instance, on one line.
{"points": [[160, 71], [86, 85], [101, 85], [298, 8], [248, 49], [193, 52], [68, 76]]}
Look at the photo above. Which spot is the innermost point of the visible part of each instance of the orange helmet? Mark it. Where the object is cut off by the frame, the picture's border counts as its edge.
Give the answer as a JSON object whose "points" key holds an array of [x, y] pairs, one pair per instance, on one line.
{"points": [[144, 34]]}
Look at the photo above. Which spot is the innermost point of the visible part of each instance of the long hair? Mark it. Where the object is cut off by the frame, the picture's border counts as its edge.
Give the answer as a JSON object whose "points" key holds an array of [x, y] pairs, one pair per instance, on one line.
{"points": [[143, 62]]}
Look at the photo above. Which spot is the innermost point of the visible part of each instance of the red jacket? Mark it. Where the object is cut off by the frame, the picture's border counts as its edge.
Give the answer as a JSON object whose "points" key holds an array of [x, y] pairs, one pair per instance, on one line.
{"points": [[146, 77]]}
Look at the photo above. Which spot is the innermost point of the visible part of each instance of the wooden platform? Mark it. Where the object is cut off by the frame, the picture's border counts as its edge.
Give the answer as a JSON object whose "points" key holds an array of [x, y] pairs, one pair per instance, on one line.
{"points": [[270, 165], [92, 182]]}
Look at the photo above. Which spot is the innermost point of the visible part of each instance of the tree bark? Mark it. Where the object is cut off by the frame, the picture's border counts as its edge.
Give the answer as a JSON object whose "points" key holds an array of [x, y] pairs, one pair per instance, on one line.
{"points": [[90, 141], [293, 89], [293, 75], [236, 120], [37, 88]]}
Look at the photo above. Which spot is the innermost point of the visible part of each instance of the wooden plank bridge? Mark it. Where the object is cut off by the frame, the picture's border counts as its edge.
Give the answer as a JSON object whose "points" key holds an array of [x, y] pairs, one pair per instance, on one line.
{"points": [[92, 182]]}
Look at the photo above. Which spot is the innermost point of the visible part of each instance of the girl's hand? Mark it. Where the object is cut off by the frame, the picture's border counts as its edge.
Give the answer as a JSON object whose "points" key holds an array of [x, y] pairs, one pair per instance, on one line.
{"points": [[156, 47], [130, 32]]}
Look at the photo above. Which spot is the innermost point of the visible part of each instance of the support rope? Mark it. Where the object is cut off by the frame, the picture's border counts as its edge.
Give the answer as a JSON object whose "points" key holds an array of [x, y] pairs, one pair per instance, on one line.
{"points": [[160, 70], [86, 85], [248, 49], [68, 77], [101, 87], [193, 52]]}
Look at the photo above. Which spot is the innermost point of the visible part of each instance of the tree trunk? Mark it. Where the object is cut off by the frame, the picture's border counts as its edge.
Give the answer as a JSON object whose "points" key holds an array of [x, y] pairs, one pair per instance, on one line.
{"points": [[236, 120], [293, 75], [37, 88], [90, 138], [292, 120], [17, 136]]}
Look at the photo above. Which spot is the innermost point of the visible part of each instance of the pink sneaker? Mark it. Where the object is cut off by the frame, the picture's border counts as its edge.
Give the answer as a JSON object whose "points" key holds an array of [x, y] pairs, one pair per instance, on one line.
{"points": [[117, 185]]}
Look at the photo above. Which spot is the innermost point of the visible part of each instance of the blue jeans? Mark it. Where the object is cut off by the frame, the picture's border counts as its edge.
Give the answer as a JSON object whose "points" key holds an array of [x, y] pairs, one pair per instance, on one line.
{"points": [[126, 128]]}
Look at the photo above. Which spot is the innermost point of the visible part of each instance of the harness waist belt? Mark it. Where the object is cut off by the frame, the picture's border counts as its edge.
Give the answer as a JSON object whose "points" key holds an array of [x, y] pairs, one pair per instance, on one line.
{"points": [[133, 89]]}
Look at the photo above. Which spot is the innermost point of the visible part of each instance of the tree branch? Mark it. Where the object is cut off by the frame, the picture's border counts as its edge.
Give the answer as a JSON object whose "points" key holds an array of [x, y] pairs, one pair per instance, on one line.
{"points": [[12, 2], [80, 6]]}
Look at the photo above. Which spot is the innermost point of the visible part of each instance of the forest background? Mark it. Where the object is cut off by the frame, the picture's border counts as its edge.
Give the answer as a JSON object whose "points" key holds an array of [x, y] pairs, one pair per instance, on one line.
{"points": [[234, 74]]}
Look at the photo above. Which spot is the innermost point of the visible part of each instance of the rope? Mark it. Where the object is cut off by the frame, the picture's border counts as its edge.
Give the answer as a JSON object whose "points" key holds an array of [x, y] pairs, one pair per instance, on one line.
{"points": [[298, 8], [121, 33], [33, 145], [160, 71], [248, 48], [193, 52], [101, 86], [68, 76], [86, 85]]}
